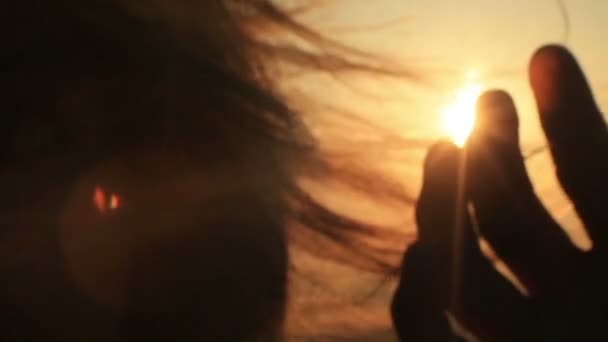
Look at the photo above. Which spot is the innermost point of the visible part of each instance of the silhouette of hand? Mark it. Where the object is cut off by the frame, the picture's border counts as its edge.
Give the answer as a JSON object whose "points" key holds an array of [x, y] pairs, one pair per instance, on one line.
{"points": [[567, 292]]}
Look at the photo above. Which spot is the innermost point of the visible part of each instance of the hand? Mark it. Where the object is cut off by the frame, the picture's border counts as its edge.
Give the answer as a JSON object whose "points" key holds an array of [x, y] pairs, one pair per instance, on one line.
{"points": [[567, 292]]}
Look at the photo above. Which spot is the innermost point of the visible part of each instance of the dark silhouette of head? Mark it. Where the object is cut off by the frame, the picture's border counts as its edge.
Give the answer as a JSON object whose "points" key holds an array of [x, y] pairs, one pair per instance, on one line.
{"points": [[141, 172], [148, 170]]}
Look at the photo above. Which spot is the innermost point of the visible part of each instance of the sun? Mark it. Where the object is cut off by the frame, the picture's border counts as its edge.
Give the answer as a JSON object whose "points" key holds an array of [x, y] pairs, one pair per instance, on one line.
{"points": [[459, 115]]}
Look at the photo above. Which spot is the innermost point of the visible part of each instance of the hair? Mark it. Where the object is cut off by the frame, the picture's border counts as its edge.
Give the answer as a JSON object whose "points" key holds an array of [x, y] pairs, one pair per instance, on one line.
{"points": [[156, 38], [144, 65], [343, 237]]}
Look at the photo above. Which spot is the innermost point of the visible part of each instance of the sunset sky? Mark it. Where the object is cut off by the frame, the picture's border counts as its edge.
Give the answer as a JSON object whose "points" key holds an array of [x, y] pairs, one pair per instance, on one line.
{"points": [[494, 38], [497, 38], [447, 40]]}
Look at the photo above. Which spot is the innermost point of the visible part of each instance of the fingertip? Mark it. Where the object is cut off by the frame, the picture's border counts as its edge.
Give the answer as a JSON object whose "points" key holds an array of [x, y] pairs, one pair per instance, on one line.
{"points": [[441, 156], [493, 97], [551, 51], [496, 107], [545, 72], [557, 80], [496, 122], [550, 58], [440, 170]]}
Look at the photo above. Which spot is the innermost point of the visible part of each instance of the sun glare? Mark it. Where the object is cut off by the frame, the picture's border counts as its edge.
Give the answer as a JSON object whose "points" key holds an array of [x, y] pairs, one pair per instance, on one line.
{"points": [[459, 115]]}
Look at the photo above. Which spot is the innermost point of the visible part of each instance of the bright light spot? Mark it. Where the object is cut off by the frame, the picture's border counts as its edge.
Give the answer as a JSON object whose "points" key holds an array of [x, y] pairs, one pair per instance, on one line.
{"points": [[99, 199], [104, 203], [114, 202], [459, 115]]}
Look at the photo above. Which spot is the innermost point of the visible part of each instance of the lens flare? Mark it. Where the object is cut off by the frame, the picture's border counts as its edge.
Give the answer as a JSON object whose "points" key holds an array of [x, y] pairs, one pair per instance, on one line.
{"points": [[99, 199], [459, 115], [103, 202]]}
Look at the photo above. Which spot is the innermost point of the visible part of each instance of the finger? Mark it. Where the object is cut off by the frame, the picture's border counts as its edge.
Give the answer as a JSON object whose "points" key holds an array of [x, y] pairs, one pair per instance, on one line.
{"points": [[510, 215], [576, 133], [445, 270], [421, 300], [438, 204]]}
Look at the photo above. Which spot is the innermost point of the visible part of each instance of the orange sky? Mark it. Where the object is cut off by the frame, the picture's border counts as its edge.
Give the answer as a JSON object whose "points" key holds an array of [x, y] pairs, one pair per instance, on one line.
{"points": [[494, 38]]}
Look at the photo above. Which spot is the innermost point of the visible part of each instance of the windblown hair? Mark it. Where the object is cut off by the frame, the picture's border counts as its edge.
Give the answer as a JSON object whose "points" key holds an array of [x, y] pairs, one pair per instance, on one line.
{"points": [[84, 81], [221, 48]]}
